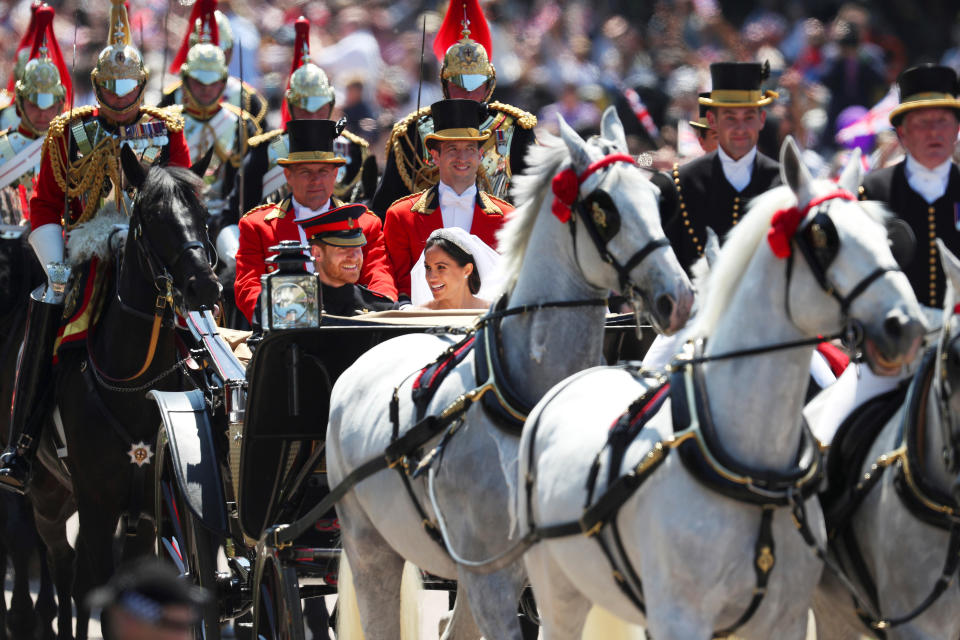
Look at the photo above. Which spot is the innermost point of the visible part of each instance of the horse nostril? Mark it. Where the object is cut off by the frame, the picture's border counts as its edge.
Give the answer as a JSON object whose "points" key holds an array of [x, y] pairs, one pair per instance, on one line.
{"points": [[664, 306], [893, 326]]}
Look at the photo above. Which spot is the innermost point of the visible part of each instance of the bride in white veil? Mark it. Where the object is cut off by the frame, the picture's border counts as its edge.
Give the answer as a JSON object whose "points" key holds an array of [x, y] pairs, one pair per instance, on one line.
{"points": [[441, 259]]}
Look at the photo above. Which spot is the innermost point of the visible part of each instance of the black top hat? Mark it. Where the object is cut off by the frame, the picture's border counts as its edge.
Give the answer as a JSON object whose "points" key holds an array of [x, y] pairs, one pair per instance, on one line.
{"points": [[457, 120], [927, 85], [339, 226], [311, 141], [701, 122], [144, 588], [737, 84]]}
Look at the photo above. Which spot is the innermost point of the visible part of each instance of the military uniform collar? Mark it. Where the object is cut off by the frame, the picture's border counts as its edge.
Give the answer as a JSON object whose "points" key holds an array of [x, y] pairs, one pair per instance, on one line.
{"points": [[429, 201], [285, 206]]}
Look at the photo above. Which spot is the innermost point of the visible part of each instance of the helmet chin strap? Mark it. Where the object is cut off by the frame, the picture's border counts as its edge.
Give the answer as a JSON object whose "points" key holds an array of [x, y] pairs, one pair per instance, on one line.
{"points": [[119, 116]]}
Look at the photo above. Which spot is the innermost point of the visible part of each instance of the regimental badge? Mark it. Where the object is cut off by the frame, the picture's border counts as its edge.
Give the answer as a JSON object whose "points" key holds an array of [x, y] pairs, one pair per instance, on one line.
{"points": [[140, 453], [819, 236]]}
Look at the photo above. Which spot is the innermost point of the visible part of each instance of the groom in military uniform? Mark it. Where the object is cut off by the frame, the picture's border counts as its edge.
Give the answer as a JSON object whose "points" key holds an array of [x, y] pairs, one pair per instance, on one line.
{"points": [[713, 190]]}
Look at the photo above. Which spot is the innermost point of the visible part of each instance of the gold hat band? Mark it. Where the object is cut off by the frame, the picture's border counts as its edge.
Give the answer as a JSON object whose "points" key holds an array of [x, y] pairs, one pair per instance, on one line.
{"points": [[312, 156]]}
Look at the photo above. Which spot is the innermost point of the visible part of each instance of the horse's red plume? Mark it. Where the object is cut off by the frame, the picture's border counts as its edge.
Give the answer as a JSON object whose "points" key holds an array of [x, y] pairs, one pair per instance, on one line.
{"points": [[203, 10], [44, 35], [301, 53], [452, 27], [782, 227], [25, 42]]}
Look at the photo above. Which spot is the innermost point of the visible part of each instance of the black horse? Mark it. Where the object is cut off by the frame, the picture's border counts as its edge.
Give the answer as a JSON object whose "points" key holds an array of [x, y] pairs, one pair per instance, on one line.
{"points": [[100, 384], [51, 498]]}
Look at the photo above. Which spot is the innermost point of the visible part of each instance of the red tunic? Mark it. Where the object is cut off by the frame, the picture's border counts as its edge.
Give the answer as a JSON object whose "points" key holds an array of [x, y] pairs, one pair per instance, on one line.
{"points": [[266, 225], [410, 221], [46, 206]]}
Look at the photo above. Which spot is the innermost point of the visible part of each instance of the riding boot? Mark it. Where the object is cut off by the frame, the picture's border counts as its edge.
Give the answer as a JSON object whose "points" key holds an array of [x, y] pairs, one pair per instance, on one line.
{"points": [[34, 373]]}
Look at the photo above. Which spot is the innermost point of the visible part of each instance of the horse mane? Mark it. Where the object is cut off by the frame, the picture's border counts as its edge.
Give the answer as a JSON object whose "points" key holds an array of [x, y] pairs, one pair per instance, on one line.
{"points": [[530, 189], [165, 184], [741, 244]]}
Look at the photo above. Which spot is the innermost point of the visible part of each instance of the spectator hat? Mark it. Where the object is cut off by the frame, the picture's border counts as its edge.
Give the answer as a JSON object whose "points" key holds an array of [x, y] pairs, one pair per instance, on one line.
{"points": [[312, 141], [738, 84], [926, 86]]}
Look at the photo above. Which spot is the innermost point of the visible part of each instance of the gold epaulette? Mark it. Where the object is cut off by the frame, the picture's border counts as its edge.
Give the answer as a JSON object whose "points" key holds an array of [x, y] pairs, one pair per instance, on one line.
{"points": [[354, 138], [255, 141], [247, 116], [525, 119], [170, 117], [59, 124], [412, 195], [261, 207]]}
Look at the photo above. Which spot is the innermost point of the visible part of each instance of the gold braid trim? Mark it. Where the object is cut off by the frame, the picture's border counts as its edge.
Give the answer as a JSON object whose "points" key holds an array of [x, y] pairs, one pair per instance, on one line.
{"points": [[169, 115], [256, 141], [401, 135], [354, 138], [524, 118], [85, 176]]}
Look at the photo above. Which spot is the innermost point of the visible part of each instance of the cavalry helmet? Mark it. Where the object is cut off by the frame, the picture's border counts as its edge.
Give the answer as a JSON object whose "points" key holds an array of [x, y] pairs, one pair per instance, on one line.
{"points": [[308, 87], [44, 80], [119, 69]]}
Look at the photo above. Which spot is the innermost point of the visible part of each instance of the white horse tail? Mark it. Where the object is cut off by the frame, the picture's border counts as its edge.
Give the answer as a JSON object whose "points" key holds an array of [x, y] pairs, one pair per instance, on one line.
{"points": [[603, 625], [411, 586], [348, 611]]}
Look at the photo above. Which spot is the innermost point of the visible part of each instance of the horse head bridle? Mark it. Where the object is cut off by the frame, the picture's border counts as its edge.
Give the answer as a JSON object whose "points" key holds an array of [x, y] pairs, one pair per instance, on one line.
{"points": [[158, 270], [600, 217], [819, 243]]}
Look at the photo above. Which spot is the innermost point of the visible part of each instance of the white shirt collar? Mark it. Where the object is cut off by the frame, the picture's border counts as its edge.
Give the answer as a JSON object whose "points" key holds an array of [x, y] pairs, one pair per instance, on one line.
{"points": [[447, 192], [929, 183], [457, 209], [738, 172], [302, 213]]}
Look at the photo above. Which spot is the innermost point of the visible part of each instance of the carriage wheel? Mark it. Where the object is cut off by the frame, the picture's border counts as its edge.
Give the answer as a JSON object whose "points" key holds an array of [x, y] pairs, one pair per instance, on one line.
{"points": [[277, 612], [184, 541]]}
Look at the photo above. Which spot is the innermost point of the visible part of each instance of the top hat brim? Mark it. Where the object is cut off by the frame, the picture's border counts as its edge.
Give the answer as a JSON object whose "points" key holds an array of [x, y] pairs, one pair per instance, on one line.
{"points": [[896, 115], [458, 135], [739, 98], [304, 157]]}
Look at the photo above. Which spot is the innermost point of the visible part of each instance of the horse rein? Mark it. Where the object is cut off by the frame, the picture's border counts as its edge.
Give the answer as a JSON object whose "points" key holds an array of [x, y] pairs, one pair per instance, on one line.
{"points": [[951, 438]]}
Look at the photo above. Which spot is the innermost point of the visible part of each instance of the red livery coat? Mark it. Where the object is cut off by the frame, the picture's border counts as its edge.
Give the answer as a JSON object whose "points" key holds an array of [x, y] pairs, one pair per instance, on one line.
{"points": [[266, 225], [410, 221]]}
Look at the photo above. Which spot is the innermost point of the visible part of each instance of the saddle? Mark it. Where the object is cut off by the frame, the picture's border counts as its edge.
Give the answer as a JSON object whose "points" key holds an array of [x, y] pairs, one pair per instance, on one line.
{"points": [[848, 452], [432, 376]]}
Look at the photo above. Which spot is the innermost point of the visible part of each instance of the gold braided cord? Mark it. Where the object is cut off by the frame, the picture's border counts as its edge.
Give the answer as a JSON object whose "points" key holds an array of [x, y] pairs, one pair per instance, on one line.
{"points": [[344, 189], [354, 138], [85, 176], [401, 136], [256, 141], [524, 118]]}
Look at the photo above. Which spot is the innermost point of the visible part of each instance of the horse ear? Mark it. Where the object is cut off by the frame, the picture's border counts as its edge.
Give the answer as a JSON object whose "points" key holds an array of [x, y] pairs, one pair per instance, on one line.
{"points": [[576, 145], [135, 173], [852, 173], [612, 129], [793, 172], [199, 168], [951, 266]]}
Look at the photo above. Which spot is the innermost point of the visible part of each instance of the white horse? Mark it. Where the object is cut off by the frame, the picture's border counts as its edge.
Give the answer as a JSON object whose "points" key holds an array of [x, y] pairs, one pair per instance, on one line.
{"points": [[704, 558], [549, 263], [903, 556]]}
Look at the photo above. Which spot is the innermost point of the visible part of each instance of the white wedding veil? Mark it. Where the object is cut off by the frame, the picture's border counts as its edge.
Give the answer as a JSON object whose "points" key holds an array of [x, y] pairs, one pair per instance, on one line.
{"points": [[486, 259]]}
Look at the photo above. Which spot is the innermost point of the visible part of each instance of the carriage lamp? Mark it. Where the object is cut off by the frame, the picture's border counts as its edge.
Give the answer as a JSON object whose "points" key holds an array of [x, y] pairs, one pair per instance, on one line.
{"points": [[290, 295]]}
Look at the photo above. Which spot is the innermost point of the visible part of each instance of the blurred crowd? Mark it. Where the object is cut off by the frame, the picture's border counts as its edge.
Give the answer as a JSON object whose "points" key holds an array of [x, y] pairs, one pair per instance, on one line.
{"points": [[830, 61]]}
